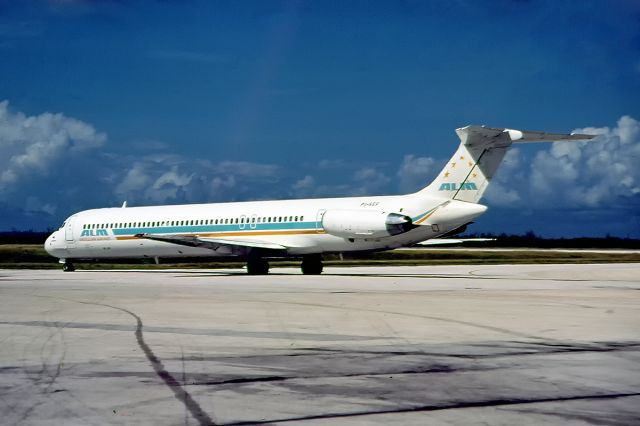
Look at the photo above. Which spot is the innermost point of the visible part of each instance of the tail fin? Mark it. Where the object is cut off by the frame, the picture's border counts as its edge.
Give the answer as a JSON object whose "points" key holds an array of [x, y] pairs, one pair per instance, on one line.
{"points": [[468, 173]]}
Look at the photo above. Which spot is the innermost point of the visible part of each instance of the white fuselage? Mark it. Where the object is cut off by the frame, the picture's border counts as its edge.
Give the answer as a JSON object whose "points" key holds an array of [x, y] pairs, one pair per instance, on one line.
{"points": [[294, 224], [299, 227]]}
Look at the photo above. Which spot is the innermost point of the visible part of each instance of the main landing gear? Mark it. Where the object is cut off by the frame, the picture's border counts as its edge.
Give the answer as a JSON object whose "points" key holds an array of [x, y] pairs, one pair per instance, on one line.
{"points": [[257, 266], [311, 265]]}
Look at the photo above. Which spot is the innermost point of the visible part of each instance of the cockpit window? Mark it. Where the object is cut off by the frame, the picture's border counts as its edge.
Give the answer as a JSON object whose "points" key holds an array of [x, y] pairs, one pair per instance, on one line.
{"points": [[63, 223]]}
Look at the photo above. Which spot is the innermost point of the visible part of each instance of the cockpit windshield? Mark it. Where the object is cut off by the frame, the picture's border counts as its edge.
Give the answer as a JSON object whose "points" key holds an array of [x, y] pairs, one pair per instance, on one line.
{"points": [[62, 226]]}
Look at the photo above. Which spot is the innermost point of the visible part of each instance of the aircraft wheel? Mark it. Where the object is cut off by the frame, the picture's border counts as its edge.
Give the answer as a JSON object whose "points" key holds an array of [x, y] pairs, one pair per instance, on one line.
{"points": [[68, 267], [312, 265], [257, 267]]}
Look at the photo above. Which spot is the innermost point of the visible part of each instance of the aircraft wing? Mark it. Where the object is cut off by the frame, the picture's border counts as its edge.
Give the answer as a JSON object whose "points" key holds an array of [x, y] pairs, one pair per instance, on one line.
{"points": [[231, 246], [481, 135]]}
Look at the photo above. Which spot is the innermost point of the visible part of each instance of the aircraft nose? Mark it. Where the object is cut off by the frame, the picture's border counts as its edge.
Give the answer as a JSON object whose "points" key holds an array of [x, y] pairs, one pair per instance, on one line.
{"points": [[51, 245]]}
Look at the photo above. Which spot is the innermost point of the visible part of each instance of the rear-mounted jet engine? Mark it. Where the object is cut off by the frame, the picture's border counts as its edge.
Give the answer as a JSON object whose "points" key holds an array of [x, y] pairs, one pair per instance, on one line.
{"points": [[365, 223]]}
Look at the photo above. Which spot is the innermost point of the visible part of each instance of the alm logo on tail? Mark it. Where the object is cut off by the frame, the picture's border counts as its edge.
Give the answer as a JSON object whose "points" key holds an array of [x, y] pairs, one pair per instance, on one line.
{"points": [[452, 186]]}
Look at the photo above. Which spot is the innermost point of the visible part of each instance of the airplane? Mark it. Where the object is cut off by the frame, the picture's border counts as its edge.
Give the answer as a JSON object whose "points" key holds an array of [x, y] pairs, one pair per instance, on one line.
{"points": [[256, 231]]}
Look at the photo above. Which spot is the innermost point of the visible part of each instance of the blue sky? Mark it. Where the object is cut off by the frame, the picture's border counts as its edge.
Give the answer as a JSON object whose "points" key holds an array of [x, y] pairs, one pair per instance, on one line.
{"points": [[196, 101]]}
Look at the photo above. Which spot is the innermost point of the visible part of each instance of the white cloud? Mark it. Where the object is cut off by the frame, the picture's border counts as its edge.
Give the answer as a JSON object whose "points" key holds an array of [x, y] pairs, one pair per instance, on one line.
{"points": [[219, 185], [369, 181], [167, 186], [417, 172], [502, 190], [34, 144], [591, 174], [304, 187], [584, 174], [165, 178], [136, 179]]}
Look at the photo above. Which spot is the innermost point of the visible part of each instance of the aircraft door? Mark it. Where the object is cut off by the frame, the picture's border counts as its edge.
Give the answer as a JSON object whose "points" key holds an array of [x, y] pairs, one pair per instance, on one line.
{"points": [[68, 230], [319, 216], [252, 225], [243, 220]]}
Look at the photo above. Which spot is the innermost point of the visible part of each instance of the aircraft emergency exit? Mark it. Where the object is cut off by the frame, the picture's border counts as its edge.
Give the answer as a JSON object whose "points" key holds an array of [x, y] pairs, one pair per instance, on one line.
{"points": [[256, 231]]}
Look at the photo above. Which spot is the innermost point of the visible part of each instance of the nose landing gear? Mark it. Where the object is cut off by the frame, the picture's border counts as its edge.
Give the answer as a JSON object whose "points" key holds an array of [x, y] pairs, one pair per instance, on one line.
{"points": [[68, 267]]}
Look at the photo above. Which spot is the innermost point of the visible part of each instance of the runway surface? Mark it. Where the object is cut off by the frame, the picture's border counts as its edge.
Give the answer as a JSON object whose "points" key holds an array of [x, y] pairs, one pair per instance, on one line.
{"points": [[458, 345]]}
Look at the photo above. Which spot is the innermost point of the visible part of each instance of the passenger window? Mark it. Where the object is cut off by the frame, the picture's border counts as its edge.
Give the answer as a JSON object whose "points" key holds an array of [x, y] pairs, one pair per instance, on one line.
{"points": [[253, 220], [296, 218], [301, 218]]}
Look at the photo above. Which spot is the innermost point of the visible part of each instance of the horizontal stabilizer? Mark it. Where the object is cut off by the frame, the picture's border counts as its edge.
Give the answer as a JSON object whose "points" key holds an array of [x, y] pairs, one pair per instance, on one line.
{"points": [[481, 136]]}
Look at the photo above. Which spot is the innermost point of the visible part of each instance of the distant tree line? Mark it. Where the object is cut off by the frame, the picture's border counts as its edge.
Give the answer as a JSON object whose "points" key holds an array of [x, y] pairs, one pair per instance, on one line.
{"points": [[24, 237], [530, 239]]}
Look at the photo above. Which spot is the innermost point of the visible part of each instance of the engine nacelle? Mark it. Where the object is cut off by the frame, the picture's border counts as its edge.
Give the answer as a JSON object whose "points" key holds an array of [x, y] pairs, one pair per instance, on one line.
{"points": [[365, 223]]}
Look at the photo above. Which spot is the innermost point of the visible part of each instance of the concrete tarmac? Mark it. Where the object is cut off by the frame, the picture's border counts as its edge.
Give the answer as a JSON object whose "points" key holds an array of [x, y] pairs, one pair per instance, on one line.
{"points": [[457, 345]]}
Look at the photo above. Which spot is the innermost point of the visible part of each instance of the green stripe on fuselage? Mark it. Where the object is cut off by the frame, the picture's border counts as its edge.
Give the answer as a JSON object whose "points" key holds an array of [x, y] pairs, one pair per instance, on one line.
{"points": [[203, 229]]}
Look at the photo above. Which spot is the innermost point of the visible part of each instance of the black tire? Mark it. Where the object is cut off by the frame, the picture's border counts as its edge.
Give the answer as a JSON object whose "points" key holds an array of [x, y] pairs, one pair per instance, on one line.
{"points": [[312, 265], [68, 267], [257, 267]]}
